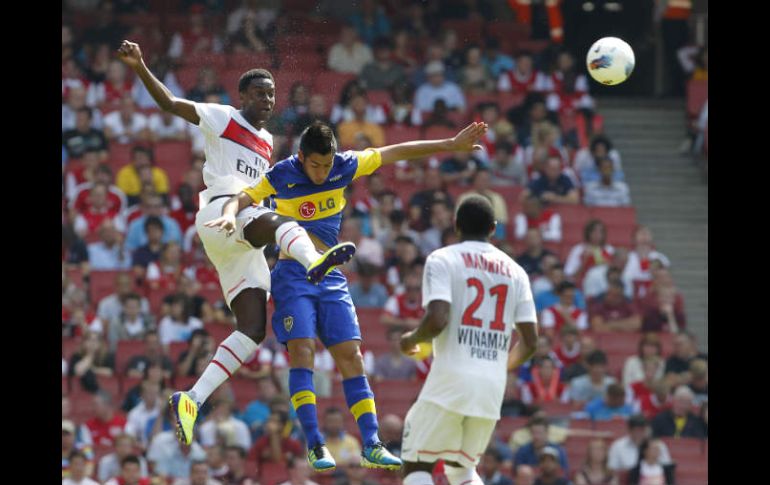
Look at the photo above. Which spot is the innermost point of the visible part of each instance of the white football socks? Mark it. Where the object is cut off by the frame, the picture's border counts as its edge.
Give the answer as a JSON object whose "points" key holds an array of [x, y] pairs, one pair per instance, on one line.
{"points": [[294, 241], [230, 355]]}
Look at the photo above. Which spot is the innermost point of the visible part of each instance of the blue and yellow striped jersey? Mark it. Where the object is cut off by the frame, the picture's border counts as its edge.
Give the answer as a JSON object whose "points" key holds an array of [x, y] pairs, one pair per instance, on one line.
{"points": [[317, 208]]}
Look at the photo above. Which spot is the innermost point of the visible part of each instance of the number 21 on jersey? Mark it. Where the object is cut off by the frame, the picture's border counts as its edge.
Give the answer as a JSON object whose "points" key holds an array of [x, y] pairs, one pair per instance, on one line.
{"points": [[499, 293]]}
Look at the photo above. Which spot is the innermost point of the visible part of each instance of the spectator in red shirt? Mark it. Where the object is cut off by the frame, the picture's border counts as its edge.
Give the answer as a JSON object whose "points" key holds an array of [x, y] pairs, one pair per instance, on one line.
{"points": [[235, 458], [106, 425], [564, 312], [642, 389], [546, 385], [405, 310], [185, 214], [613, 312], [533, 215], [276, 445], [593, 251], [663, 308], [103, 174], [80, 173], [569, 348], [98, 210], [637, 272], [162, 275], [130, 473]]}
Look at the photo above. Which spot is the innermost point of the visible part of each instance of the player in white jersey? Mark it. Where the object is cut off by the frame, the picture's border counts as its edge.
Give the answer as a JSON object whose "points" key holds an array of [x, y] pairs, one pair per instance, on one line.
{"points": [[238, 150], [475, 294]]}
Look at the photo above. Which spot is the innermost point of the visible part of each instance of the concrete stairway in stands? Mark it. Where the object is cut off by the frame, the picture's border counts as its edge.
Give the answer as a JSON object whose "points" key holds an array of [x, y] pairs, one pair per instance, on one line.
{"points": [[668, 192]]}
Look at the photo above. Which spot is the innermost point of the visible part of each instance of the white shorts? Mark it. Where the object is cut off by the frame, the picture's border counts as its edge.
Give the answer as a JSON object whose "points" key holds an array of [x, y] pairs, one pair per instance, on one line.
{"points": [[432, 433], [239, 264]]}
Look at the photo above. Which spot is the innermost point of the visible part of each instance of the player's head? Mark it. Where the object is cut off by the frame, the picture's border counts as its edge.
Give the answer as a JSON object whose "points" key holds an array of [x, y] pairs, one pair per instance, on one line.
{"points": [[256, 88], [475, 219], [317, 146]]}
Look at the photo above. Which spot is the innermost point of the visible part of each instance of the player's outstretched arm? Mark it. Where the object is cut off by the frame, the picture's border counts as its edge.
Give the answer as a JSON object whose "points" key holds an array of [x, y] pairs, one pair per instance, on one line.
{"points": [[233, 206], [435, 320], [131, 55], [525, 346], [465, 141]]}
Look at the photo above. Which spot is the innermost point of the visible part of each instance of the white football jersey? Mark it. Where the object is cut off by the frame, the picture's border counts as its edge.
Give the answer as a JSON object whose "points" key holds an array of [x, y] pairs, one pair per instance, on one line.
{"points": [[237, 154], [488, 293]]}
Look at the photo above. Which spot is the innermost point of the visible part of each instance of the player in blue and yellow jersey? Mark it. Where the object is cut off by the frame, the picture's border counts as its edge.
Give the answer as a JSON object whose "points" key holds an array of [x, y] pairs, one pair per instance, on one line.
{"points": [[309, 187]]}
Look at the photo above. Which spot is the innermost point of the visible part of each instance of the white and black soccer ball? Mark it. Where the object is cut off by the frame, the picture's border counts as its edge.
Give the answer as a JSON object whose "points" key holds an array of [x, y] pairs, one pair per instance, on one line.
{"points": [[610, 61]]}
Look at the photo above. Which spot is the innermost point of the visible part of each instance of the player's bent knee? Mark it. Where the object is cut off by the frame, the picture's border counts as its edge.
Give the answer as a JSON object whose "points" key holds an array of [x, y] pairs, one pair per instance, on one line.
{"points": [[301, 353], [256, 334]]}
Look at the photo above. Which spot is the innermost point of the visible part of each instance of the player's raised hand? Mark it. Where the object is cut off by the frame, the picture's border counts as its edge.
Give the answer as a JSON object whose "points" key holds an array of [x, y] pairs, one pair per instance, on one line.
{"points": [[467, 140], [225, 223], [130, 54]]}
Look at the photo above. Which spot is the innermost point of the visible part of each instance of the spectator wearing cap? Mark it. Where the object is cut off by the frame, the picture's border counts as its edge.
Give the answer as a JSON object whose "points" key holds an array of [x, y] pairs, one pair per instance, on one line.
{"points": [[528, 454], [437, 87], [564, 311], [382, 72], [368, 292], [606, 192], [489, 468], [624, 451], [593, 384], [550, 471], [349, 55], [611, 406], [614, 312], [680, 421]]}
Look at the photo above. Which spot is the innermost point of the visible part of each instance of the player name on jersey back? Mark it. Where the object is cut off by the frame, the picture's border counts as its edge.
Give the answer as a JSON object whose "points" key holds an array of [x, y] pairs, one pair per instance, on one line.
{"points": [[488, 293]]}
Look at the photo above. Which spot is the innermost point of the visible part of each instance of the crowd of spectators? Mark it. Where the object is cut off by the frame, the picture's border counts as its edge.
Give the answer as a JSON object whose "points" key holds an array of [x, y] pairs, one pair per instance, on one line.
{"points": [[142, 306]]}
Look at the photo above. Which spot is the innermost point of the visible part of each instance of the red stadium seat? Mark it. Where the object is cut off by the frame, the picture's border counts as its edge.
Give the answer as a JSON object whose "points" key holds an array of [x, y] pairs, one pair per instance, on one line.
{"points": [[331, 82], [618, 427], [110, 384], [621, 234], [468, 31], [68, 347], [507, 30], [187, 77], [217, 62], [65, 385], [507, 426], [245, 391], [473, 100], [284, 79], [173, 157], [398, 389], [81, 402], [378, 96], [577, 215], [246, 61], [533, 46], [175, 349], [686, 448], [103, 284], [438, 132], [219, 331], [128, 383], [554, 409], [614, 215], [120, 154], [399, 134], [619, 342], [184, 382], [124, 351]]}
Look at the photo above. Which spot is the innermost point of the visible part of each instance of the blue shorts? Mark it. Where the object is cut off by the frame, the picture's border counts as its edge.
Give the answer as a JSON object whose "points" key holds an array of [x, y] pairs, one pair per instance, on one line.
{"points": [[305, 310]]}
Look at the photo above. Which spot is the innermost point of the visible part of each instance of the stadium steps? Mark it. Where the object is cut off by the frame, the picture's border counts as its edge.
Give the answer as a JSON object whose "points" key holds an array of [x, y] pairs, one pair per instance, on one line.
{"points": [[667, 191]]}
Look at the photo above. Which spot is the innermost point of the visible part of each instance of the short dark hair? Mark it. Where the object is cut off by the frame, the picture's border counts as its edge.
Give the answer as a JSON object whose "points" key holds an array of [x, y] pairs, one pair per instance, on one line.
{"points": [[86, 110], [141, 149], [601, 139], [153, 221], [537, 421], [133, 296], [332, 410], [601, 160], [475, 217], [317, 138], [597, 357], [77, 454], [637, 421], [615, 390], [589, 228], [130, 459], [504, 145], [564, 286], [382, 43], [494, 454], [250, 75]]}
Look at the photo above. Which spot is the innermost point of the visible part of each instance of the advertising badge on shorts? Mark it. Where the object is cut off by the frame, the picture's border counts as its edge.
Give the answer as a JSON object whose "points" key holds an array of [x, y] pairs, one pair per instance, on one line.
{"points": [[288, 323]]}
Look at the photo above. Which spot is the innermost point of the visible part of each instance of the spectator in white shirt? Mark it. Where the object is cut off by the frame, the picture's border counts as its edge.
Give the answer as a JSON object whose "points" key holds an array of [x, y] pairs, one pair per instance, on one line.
{"points": [[166, 126], [78, 470], [606, 192], [114, 464], [437, 88], [349, 55], [126, 125], [533, 215], [148, 408], [171, 459], [624, 452], [109, 253], [221, 424]]}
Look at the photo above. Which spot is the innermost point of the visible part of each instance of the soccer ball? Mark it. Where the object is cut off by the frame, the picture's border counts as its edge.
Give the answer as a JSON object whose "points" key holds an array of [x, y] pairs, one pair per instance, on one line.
{"points": [[610, 61]]}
